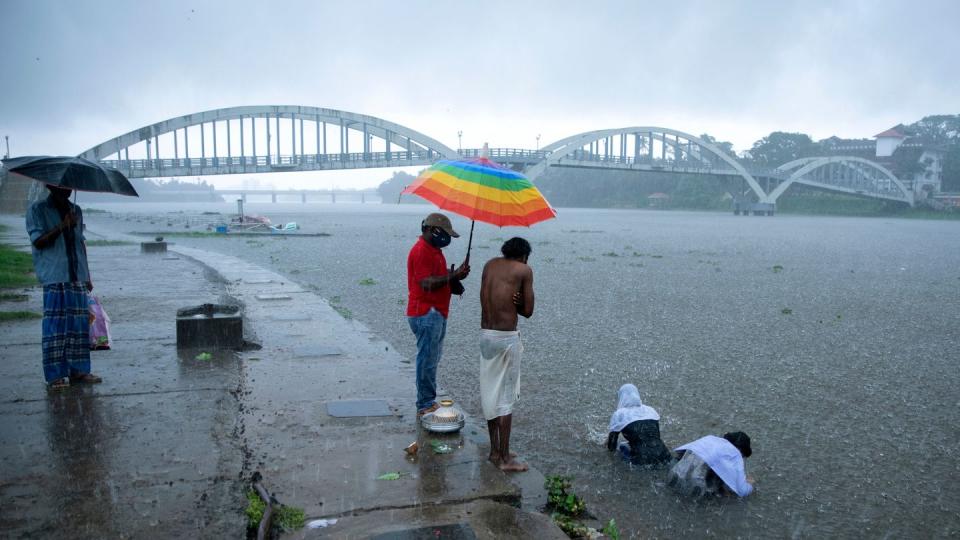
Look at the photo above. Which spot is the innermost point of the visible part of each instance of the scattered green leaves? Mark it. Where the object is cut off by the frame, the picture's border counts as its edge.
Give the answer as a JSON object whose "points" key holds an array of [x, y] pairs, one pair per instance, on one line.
{"points": [[344, 312], [391, 476], [611, 254], [777, 269], [565, 507], [289, 518], [571, 526], [560, 496], [13, 297], [441, 447], [255, 508], [285, 519], [786, 311], [586, 259], [204, 356], [611, 530], [368, 281]]}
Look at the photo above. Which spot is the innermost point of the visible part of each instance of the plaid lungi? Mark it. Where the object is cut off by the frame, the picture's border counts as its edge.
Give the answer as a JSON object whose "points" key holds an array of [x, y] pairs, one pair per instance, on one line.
{"points": [[66, 331]]}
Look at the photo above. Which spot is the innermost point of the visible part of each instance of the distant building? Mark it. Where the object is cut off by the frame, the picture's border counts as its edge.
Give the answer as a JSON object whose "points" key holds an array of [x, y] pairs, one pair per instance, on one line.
{"points": [[918, 163]]}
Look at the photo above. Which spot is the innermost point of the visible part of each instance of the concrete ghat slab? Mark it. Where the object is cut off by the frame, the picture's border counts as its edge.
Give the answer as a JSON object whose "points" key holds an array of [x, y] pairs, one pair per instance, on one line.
{"points": [[486, 520], [338, 476], [351, 408], [329, 465]]}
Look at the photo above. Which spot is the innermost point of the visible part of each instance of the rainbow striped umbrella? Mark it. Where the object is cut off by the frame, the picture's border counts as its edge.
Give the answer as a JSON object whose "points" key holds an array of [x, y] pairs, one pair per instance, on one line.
{"points": [[481, 190]]}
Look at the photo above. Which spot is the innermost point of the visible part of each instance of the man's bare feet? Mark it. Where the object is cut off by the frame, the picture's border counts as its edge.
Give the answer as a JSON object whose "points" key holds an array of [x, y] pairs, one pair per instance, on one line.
{"points": [[512, 465], [495, 458]]}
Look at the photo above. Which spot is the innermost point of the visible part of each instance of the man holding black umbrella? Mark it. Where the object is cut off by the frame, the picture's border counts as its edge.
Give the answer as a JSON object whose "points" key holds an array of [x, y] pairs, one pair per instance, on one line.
{"points": [[55, 226], [60, 261]]}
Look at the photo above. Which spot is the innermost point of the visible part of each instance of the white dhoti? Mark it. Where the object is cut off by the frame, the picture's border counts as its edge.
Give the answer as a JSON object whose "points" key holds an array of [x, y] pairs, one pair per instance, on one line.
{"points": [[500, 353]]}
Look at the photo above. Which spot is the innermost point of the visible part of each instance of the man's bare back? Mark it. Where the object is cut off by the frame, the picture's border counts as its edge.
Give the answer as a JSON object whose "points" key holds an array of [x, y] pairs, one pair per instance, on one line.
{"points": [[506, 289]]}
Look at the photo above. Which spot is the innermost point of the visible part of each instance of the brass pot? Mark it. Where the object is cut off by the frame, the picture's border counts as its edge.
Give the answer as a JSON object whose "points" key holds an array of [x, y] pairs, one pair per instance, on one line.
{"points": [[446, 419]]}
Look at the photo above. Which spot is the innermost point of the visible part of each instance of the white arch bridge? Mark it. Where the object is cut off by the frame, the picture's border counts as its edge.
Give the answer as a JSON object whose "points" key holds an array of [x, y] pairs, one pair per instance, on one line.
{"points": [[264, 139]]}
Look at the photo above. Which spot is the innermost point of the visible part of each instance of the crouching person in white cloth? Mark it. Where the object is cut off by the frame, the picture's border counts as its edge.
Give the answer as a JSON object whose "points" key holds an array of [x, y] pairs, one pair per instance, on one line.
{"points": [[713, 466], [506, 290]]}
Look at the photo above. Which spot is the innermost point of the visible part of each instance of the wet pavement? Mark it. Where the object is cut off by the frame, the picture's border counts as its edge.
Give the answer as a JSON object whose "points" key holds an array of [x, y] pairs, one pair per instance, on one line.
{"points": [[150, 452], [165, 446]]}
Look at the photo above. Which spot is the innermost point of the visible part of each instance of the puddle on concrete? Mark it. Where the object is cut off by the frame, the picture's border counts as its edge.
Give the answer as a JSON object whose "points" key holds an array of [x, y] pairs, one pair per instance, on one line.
{"points": [[273, 297], [454, 531], [289, 317], [358, 407], [316, 351]]}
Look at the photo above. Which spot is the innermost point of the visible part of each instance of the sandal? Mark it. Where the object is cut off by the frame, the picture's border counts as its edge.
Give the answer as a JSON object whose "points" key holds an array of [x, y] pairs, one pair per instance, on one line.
{"points": [[59, 384], [428, 410], [88, 378]]}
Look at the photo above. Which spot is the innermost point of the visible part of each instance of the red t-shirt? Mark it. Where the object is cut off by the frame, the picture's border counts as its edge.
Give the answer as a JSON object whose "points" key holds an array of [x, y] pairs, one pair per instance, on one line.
{"points": [[424, 261]]}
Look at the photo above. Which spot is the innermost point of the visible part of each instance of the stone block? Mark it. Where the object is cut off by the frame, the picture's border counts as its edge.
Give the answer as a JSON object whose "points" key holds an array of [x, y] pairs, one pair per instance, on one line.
{"points": [[210, 326], [153, 247]]}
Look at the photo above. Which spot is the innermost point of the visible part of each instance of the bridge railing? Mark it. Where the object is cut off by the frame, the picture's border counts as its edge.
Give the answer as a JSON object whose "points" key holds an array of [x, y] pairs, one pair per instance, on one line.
{"points": [[504, 154], [296, 160], [685, 164]]}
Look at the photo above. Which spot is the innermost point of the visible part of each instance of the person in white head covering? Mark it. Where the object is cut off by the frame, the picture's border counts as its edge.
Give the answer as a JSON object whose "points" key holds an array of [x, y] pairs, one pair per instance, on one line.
{"points": [[640, 426], [713, 465]]}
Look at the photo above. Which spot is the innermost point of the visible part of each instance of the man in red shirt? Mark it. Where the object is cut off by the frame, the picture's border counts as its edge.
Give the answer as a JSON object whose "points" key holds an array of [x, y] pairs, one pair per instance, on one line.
{"points": [[429, 281]]}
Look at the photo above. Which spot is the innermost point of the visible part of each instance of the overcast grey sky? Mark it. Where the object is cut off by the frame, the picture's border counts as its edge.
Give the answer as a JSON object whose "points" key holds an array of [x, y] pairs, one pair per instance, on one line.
{"points": [[78, 72]]}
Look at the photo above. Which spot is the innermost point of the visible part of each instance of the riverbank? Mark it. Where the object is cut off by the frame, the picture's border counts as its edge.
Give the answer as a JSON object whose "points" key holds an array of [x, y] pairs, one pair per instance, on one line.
{"points": [[131, 466]]}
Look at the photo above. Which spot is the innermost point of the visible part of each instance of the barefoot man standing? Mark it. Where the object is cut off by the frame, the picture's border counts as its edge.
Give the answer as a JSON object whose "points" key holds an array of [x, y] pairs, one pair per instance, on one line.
{"points": [[506, 290]]}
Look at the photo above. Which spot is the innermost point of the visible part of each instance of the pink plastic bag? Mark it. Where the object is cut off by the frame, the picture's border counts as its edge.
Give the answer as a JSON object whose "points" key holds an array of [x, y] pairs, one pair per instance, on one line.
{"points": [[99, 325]]}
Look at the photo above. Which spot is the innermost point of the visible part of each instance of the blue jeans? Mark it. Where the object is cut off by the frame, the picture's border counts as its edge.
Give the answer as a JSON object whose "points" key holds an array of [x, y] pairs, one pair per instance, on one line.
{"points": [[430, 330]]}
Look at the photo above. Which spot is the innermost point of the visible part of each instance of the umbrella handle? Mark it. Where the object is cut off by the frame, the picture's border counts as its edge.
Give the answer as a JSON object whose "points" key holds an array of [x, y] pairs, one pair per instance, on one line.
{"points": [[469, 242]]}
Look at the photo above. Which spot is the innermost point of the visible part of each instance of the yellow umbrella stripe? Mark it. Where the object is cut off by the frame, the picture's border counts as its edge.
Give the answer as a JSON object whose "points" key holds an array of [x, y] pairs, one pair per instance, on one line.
{"points": [[451, 183]]}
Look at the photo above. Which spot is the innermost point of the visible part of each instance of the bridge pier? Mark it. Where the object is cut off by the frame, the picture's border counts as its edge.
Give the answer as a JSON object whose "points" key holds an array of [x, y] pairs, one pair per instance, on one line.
{"points": [[757, 208], [303, 198], [273, 197], [333, 197], [363, 198]]}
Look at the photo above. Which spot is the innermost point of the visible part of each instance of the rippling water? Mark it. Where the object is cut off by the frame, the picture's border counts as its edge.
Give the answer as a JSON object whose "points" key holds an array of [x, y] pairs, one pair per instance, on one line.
{"points": [[833, 342]]}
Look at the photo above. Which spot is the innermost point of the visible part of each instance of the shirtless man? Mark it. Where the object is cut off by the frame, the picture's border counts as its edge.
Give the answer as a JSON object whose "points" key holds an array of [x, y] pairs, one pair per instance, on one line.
{"points": [[506, 290]]}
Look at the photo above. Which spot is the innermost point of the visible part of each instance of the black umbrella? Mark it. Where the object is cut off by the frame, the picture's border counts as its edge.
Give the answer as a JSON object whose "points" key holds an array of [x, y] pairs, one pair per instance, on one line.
{"points": [[71, 172]]}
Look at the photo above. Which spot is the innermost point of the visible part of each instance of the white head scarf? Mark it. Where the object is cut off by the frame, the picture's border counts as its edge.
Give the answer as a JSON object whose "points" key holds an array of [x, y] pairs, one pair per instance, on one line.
{"points": [[724, 459], [630, 409]]}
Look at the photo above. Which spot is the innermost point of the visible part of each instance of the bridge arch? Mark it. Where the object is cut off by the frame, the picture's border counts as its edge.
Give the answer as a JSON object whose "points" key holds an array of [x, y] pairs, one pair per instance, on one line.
{"points": [[849, 174], [418, 147], [562, 149]]}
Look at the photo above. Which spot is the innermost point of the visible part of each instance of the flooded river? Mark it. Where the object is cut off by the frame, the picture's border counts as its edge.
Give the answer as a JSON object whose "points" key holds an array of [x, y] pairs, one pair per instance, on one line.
{"points": [[833, 342]]}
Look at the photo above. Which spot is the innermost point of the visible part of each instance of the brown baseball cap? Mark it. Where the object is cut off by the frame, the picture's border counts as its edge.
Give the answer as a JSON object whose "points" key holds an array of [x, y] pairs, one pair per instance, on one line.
{"points": [[439, 220]]}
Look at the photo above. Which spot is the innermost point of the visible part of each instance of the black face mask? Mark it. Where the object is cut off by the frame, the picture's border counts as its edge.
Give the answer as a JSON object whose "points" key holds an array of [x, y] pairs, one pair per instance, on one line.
{"points": [[439, 238]]}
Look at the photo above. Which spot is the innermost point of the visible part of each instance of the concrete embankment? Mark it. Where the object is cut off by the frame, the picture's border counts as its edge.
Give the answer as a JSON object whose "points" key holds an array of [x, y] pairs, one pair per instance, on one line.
{"points": [[165, 446]]}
